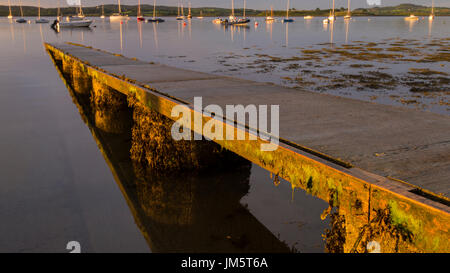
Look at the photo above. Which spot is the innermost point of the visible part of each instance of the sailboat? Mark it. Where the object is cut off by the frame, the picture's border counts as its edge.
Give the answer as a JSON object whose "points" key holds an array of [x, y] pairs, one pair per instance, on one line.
{"points": [[118, 16], [287, 19], [431, 17], [79, 17], [270, 18], [201, 15], [103, 13], [180, 16], [412, 17], [154, 19], [233, 20], [348, 16], [139, 16], [40, 20], [21, 20], [330, 18], [78, 20], [189, 16], [10, 13]]}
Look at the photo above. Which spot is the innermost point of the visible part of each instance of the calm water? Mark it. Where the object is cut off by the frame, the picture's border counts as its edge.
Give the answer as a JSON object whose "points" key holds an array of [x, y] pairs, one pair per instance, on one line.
{"points": [[56, 185]]}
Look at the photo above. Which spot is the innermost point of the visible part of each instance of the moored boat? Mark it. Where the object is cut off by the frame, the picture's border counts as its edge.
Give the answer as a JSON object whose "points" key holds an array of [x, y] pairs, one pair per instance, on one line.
{"points": [[40, 20], [287, 19], [139, 15], [21, 20], [348, 16], [10, 13], [431, 17], [76, 23], [180, 16], [233, 20], [118, 16], [270, 18], [412, 17], [154, 19], [103, 13]]}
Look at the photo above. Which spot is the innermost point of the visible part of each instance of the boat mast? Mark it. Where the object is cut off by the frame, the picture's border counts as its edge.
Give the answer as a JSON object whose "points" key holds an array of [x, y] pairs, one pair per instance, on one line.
{"points": [[154, 8], [178, 15], [348, 10], [271, 11], [287, 10], [103, 10], [9, 4], [81, 11], [333, 10], [39, 9], [244, 9], [432, 7], [139, 9], [189, 9], [120, 11], [21, 11], [182, 9], [232, 7]]}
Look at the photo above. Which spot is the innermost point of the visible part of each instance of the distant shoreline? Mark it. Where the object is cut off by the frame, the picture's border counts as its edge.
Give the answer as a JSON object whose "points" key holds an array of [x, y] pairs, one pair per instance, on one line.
{"points": [[166, 11]]}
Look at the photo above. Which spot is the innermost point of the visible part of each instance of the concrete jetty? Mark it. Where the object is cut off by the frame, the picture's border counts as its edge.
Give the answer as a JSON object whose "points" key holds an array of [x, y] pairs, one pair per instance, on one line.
{"points": [[359, 156]]}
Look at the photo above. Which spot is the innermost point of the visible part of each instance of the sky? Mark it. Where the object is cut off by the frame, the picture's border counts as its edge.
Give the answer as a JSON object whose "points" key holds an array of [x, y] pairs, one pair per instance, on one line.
{"points": [[255, 4]]}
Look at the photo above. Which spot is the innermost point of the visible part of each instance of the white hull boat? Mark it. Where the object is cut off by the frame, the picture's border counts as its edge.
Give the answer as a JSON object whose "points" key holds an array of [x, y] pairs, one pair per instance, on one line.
{"points": [[78, 23]]}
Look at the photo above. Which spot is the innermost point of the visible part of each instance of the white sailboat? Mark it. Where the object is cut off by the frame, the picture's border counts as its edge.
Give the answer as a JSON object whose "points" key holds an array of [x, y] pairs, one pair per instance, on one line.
{"points": [[74, 24], [287, 19], [270, 18], [330, 18], [118, 16], [40, 20], [79, 17], [201, 15], [348, 16], [412, 17], [180, 16], [154, 19], [189, 16], [78, 20], [431, 17], [10, 13], [103, 12]]}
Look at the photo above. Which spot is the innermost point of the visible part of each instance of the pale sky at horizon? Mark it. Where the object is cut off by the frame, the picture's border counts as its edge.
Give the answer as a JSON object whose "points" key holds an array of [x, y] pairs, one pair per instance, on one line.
{"points": [[255, 4]]}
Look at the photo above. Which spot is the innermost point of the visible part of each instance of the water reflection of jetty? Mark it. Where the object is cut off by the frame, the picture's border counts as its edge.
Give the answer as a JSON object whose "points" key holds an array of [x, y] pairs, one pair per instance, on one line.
{"points": [[176, 211]]}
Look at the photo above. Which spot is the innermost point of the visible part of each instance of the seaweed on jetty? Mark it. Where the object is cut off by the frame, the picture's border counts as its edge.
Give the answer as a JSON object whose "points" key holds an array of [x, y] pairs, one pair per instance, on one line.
{"points": [[154, 149]]}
